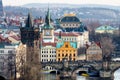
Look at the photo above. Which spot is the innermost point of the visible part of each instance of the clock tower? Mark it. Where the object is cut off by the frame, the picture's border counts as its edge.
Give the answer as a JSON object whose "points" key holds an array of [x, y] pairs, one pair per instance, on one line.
{"points": [[48, 29]]}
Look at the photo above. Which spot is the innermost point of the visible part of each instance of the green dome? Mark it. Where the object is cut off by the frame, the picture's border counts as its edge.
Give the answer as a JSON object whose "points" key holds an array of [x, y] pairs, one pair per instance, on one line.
{"points": [[69, 19]]}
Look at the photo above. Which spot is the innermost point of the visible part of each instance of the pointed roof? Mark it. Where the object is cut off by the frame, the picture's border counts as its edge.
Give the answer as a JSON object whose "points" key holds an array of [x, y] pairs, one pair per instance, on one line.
{"points": [[29, 22], [47, 21]]}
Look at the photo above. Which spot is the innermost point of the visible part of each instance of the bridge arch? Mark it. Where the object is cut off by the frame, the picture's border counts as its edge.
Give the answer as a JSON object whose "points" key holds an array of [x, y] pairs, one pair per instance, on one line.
{"points": [[113, 71], [50, 69], [79, 70], [2, 78]]}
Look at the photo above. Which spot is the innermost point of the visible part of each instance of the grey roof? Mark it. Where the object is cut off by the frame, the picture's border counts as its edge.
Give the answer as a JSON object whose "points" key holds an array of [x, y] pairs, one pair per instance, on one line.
{"points": [[70, 19]]}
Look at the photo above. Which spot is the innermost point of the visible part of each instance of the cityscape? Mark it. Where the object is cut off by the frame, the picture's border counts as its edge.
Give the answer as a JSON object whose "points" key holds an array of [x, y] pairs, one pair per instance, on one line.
{"points": [[59, 41]]}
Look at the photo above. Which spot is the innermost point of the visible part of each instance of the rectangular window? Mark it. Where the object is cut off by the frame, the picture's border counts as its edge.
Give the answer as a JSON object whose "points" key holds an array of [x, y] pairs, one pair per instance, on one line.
{"points": [[74, 55], [10, 51], [58, 59], [62, 55], [1, 51], [58, 55]]}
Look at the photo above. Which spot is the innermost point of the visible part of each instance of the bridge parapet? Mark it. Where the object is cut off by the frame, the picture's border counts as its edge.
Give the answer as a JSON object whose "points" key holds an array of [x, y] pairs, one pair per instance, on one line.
{"points": [[114, 65]]}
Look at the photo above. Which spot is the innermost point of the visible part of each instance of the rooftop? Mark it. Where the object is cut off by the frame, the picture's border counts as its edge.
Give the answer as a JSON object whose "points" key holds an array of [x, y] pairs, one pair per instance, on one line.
{"points": [[72, 44], [105, 27], [69, 18]]}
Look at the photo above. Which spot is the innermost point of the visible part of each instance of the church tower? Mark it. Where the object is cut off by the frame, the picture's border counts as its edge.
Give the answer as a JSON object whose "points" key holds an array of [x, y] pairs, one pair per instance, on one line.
{"points": [[48, 29], [30, 37]]}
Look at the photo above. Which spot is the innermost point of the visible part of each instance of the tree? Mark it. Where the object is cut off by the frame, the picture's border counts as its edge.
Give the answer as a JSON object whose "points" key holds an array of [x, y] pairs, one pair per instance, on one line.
{"points": [[107, 46], [81, 50], [20, 60], [25, 70]]}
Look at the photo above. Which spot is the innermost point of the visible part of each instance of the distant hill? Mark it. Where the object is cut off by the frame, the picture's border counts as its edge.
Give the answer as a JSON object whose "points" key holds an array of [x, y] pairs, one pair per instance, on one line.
{"points": [[92, 12], [52, 5]]}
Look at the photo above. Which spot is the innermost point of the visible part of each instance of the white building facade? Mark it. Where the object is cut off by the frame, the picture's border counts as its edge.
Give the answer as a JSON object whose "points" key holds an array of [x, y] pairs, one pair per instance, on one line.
{"points": [[48, 53], [7, 60]]}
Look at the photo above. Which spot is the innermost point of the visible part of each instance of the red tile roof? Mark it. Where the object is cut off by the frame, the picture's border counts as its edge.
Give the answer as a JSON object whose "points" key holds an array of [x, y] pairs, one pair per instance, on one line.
{"points": [[66, 34], [98, 43], [49, 44]]}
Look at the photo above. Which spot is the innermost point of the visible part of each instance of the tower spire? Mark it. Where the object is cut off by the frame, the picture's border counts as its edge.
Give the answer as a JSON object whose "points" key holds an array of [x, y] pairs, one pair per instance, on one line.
{"points": [[47, 20], [29, 22]]}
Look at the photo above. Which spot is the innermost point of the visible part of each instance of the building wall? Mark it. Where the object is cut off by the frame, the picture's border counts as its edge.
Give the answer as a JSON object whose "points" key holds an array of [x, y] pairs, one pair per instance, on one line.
{"points": [[48, 35], [104, 31], [7, 57], [48, 53], [66, 51], [69, 38], [81, 39], [70, 25], [94, 52]]}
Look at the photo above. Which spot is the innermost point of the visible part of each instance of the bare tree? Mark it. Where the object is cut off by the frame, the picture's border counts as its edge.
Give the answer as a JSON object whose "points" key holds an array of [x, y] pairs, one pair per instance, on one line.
{"points": [[107, 46], [26, 70], [20, 60]]}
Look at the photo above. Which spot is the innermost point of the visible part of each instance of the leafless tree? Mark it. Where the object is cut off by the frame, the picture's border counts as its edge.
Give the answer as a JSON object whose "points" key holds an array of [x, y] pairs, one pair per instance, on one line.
{"points": [[107, 46]]}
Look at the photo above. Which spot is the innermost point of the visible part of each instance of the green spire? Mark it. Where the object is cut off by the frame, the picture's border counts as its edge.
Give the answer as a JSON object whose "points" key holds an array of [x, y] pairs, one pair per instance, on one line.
{"points": [[47, 20], [29, 22]]}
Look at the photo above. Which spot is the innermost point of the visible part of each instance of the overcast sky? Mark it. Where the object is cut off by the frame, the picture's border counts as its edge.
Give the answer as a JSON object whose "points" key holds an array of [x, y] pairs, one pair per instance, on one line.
{"points": [[21, 2]]}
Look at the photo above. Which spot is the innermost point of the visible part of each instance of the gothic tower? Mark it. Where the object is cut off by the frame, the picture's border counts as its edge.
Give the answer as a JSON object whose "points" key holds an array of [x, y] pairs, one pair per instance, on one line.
{"points": [[48, 29], [30, 37]]}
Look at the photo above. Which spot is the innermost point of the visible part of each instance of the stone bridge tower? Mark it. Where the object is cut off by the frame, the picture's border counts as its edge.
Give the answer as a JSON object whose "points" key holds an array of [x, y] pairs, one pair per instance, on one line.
{"points": [[30, 37]]}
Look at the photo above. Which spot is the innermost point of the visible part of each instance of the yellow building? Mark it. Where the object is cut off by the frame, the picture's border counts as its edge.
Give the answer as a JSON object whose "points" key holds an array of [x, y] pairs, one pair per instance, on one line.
{"points": [[66, 50]]}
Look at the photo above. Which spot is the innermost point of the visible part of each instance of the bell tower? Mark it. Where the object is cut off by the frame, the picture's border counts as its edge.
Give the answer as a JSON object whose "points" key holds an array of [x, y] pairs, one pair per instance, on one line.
{"points": [[48, 29], [30, 37]]}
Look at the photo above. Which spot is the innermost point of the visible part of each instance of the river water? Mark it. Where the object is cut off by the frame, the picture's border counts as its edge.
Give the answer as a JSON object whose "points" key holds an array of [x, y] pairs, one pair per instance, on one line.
{"points": [[56, 77]]}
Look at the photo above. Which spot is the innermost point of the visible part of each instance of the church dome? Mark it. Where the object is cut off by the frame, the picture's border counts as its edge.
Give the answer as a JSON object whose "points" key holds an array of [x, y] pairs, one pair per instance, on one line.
{"points": [[69, 18]]}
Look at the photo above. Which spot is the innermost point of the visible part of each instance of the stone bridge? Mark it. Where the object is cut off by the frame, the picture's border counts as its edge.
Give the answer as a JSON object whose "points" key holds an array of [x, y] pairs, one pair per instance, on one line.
{"points": [[58, 65], [114, 65], [2, 77], [80, 65]]}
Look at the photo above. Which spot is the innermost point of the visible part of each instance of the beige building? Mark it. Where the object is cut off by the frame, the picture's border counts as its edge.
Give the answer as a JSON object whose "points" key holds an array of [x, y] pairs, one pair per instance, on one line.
{"points": [[80, 38], [94, 52]]}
